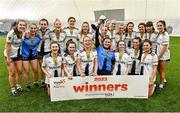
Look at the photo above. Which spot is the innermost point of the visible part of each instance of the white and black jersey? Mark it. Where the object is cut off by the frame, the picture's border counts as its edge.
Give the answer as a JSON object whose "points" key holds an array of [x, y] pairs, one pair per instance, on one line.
{"points": [[80, 40], [87, 64], [147, 63], [128, 39], [120, 37], [135, 56], [60, 39], [121, 63], [161, 41], [70, 62], [52, 67], [153, 38], [142, 36], [15, 44], [71, 34], [44, 45], [112, 36]]}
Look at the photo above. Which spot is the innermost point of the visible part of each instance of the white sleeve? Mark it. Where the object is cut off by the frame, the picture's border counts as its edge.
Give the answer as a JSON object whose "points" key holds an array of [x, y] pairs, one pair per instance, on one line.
{"points": [[165, 39], [9, 37], [95, 54], [155, 60], [129, 59], [44, 61]]}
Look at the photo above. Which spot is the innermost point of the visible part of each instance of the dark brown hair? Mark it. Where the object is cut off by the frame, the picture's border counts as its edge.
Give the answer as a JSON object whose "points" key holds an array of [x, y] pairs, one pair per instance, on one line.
{"points": [[71, 18], [43, 19]]}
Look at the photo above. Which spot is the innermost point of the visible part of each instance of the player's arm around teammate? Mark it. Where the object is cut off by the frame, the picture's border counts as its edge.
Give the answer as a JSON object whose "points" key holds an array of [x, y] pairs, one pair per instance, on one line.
{"points": [[29, 55], [13, 56]]}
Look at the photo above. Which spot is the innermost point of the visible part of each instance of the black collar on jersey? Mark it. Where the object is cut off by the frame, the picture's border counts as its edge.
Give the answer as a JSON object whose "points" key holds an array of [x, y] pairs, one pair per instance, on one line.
{"points": [[106, 48], [43, 31]]}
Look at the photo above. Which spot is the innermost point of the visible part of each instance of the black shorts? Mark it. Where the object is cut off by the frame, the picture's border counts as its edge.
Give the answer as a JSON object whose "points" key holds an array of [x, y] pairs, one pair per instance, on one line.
{"points": [[42, 54], [19, 57], [166, 60], [104, 72], [16, 58], [29, 58]]}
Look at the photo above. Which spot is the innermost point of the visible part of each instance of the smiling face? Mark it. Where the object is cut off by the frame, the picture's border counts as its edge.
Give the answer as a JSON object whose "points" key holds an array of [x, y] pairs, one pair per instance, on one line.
{"points": [[57, 25], [43, 25], [121, 46], [71, 22], [54, 48], [149, 29], [146, 47], [71, 48], [141, 28], [103, 31], [130, 27], [121, 29], [107, 43], [136, 43], [160, 27], [112, 25], [85, 27], [87, 42], [21, 26], [32, 29]]}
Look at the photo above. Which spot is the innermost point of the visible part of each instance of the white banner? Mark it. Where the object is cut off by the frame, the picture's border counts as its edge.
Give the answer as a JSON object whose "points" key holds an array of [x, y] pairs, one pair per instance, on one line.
{"points": [[124, 86]]}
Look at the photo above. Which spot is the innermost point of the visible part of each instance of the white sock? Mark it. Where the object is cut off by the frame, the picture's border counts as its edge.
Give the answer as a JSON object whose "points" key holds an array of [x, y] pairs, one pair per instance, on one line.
{"points": [[161, 85], [13, 89], [18, 86]]}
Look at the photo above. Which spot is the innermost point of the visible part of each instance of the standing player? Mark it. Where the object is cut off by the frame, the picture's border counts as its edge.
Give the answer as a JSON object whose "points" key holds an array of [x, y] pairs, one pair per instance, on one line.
{"points": [[85, 31], [70, 59], [149, 62], [142, 31], [71, 31], [58, 35], [135, 53], [102, 34], [122, 60], [52, 64], [130, 34], [151, 35], [87, 63], [106, 57], [112, 33], [120, 35], [163, 51], [44, 46], [13, 57], [29, 55]]}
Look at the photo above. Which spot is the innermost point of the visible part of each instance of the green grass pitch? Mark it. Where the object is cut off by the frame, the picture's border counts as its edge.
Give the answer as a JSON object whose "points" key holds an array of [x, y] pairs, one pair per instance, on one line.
{"points": [[38, 101]]}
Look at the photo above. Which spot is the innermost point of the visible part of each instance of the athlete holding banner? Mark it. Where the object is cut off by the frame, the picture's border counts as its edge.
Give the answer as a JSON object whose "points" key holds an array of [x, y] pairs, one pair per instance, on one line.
{"points": [[122, 60], [70, 59], [52, 64], [87, 63]]}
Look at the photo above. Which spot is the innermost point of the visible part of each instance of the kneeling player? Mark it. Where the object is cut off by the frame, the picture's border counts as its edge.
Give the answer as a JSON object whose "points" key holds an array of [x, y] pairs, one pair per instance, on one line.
{"points": [[52, 64]]}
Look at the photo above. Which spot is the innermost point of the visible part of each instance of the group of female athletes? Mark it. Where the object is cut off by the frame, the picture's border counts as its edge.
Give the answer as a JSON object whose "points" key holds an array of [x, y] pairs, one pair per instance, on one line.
{"points": [[72, 52]]}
